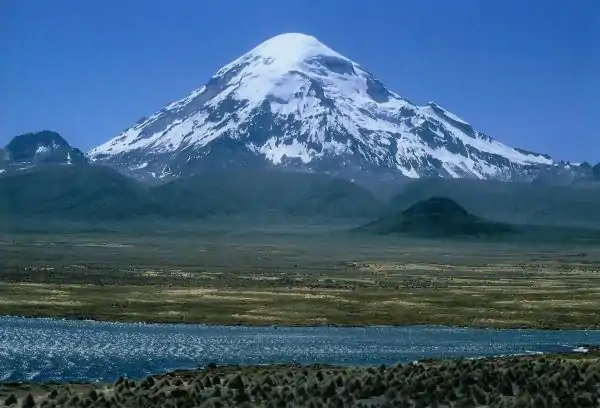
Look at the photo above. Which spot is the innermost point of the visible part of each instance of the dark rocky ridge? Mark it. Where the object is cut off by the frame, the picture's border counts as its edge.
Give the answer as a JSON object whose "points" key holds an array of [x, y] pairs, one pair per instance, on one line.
{"points": [[39, 148]]}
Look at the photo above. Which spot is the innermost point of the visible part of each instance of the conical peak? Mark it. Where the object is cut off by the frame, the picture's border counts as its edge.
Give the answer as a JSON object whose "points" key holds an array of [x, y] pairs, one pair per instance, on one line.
{"points": [[292, 96], [292, 48]]}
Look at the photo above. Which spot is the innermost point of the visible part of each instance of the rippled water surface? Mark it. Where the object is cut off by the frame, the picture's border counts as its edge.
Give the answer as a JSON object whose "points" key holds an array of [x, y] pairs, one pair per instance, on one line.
{"points": [[59, 350]]}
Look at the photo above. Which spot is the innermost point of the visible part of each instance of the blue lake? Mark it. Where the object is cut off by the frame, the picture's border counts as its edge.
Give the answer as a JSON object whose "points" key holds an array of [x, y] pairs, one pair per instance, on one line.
{"points": [[62, 350]]}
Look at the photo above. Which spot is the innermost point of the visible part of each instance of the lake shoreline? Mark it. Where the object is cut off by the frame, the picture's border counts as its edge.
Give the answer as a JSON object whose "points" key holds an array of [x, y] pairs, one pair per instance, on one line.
{"points": [[307, 324]]}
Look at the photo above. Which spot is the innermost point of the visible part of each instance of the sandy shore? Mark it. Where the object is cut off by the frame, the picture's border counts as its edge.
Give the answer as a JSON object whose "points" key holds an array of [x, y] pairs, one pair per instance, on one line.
{"points": [[562, 381]]}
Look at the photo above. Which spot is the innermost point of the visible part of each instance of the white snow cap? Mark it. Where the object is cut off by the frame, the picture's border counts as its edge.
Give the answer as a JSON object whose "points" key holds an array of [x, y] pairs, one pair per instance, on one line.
{"points": [[284, 53], [293, 47]]}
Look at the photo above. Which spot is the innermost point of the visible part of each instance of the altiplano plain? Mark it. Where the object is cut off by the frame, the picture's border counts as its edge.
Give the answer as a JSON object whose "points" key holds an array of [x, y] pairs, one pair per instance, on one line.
{"points": [[298, 278]]}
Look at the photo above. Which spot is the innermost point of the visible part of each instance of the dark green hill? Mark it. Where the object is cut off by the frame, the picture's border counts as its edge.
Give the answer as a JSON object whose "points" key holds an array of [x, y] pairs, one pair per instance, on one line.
{"points": [[238, 191], [71, 191], [437, 217], [514, 203]]}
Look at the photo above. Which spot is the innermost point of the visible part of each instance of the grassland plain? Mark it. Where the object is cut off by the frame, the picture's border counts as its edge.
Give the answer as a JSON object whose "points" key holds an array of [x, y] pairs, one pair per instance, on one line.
{"points": [[292, 275]]}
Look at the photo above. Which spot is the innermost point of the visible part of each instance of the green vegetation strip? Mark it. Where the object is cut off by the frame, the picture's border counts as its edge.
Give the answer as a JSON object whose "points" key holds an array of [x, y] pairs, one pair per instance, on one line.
{"points": [[549, 381]]}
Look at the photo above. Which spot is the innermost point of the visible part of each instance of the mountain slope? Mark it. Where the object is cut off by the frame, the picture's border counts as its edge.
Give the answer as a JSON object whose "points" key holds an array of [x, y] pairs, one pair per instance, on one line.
{"points": [[71, 191], [98, 192], [294, 102], [45, 147], [259, 192], [565, 174]]}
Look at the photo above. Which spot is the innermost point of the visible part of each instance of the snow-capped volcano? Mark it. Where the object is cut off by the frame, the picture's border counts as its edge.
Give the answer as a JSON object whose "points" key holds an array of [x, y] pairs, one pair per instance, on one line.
{"points": [[294, 102]]}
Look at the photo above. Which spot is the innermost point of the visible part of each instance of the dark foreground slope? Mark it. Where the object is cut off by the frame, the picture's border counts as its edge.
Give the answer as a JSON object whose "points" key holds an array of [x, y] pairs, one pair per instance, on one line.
{"points": [[548, 381], [93, 192], [515, 203], [437, 217]]}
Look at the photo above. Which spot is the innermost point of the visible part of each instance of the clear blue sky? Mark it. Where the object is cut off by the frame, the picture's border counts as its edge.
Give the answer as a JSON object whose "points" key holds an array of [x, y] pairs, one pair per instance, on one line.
{"points": [[526, 72]]}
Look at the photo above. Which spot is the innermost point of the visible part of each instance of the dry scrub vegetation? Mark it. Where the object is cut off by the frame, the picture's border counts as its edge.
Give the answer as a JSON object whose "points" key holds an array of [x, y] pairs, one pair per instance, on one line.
{"points": [[551, 381], [298, 279]]}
